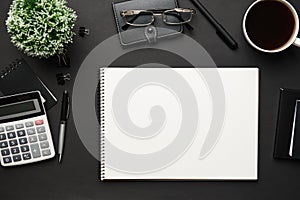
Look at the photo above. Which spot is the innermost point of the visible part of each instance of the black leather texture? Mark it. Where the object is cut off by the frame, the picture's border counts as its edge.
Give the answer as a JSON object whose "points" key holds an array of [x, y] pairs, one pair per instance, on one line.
{"points": [[135, 35]]}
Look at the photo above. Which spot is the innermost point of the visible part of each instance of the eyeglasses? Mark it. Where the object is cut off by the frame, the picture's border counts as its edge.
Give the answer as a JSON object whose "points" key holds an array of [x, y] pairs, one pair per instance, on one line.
{"points": [[140, 18]]}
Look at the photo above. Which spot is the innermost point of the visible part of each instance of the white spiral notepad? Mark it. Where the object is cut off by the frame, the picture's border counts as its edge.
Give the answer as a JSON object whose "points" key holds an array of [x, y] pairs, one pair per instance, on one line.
{"points": [[179, 123]]}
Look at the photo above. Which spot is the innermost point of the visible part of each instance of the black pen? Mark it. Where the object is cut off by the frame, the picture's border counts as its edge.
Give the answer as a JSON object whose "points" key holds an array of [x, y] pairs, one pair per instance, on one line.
{"points": [[223, 34], [65, 111]]}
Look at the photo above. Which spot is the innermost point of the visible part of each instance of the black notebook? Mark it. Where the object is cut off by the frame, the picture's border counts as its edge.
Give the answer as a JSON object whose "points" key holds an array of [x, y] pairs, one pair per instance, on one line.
{"points": [[18, 77], [287, 143], [135, 35]]}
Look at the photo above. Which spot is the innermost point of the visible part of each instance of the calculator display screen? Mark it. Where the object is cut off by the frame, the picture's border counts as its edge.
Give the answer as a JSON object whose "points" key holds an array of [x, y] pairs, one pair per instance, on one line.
{"points": [[19, 109]]}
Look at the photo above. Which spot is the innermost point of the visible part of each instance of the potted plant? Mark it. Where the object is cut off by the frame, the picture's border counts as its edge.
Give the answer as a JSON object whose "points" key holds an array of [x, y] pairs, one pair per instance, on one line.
{"points": [[41, 28]]}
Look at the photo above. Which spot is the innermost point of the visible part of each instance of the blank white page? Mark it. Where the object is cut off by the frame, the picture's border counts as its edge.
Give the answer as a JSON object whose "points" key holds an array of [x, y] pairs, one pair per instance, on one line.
{"points": [[179, 123]]}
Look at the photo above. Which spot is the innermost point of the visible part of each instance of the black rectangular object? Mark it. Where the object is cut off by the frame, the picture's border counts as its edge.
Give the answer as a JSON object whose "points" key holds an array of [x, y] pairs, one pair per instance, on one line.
{"points": [[136, 35], [285, 120], [20, 78]]}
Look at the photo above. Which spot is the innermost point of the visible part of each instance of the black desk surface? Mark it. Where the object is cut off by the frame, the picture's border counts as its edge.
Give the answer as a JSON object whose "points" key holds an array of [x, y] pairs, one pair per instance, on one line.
{"points": [[77, 177]]}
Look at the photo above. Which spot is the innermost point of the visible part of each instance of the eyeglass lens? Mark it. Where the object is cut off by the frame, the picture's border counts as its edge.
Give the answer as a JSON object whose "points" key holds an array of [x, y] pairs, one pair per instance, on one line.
{"points": [[143, 18], [173, 17]]}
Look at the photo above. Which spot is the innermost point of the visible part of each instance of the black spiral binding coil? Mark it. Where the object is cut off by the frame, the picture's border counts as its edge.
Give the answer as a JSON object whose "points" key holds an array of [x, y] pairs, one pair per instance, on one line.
{"points": [[102, 122], [7, 70]]}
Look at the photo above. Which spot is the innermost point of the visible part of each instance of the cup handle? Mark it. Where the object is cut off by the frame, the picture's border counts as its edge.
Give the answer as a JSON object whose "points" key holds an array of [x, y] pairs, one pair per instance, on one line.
{"points": [[297, 42]]}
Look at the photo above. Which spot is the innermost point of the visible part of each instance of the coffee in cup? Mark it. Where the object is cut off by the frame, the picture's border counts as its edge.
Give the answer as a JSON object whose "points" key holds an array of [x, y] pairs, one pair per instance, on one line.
{"points": [[271, 25]]}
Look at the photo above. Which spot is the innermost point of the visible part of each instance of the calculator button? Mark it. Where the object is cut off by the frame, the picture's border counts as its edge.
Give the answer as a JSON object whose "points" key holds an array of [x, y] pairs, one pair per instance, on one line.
{"points": [[46, 152], [24, 148], [41, 129], [44, 145], [17, 158], [3, 144], [23, 141], [11, 135], [5, 152], [2, 136], [1, 129], [35, 150], [13, 143], [26, 156], [29, 124], [15, 150], [21, 133], [7, 160], [32, 139], [9, 128], [31, 131], [42, 137], [39, 122], [19, 126]]}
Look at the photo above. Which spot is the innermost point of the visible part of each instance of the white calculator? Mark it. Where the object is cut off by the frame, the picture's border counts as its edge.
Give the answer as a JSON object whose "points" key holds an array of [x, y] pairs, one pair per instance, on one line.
{"points": [[25, 135]]}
